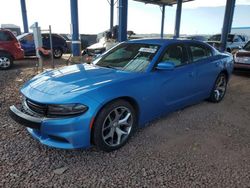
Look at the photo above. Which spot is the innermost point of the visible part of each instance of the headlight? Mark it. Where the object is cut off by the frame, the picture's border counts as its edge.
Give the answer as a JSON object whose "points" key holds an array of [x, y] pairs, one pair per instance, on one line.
{"points": [[66, 109]]}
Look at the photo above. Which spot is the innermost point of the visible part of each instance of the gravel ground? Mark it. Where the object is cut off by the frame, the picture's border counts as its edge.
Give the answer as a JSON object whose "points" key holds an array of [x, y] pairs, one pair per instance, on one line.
{"points": [[205, 145]]}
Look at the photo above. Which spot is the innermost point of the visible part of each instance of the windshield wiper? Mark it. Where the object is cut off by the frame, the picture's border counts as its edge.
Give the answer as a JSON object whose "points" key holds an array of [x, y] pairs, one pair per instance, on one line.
{"points": [[108, 66]]}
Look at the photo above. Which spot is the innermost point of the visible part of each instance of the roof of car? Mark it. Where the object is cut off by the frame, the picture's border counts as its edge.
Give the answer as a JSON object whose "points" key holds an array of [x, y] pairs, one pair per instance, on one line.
{"points": [[162, 41]]}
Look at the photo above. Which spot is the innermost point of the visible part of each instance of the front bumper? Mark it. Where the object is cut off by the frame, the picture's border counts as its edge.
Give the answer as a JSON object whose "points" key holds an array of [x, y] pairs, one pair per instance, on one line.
{"points": [[24, 119], [241, 66], [19, 54], [66, 133]]}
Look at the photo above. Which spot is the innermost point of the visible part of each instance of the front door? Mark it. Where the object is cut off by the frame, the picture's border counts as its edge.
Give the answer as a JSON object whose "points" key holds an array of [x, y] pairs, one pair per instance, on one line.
{"points": [[175, 87]]}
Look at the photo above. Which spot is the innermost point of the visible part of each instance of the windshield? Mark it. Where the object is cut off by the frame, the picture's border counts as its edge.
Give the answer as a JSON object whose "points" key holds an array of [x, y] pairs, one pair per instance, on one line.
{"points": [[218, 38], [247, 46], [128, 57]]}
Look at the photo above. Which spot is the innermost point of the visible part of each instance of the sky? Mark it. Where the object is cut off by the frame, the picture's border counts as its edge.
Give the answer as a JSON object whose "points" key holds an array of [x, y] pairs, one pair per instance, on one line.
{"points": [[198, 17]]}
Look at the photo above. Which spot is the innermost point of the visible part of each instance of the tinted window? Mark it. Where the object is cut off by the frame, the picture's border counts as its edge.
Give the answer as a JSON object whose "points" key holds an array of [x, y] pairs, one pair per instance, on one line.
{"points": [[200, 52], [237, 39], [5, 36], [218, 38], [45, 36], [176, 54], [243, 38], [247, 46], [28, 38], [58, 38]]}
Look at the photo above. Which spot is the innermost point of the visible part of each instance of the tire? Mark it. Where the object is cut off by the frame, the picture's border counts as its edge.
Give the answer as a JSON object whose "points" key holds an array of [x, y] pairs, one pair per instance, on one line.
{"points": [[6, 61], [114, 125], [219, 89], [57, 53]]}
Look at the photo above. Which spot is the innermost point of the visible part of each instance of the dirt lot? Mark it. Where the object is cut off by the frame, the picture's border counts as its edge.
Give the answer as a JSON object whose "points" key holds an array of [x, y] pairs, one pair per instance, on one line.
{"points": [[206, 145]]}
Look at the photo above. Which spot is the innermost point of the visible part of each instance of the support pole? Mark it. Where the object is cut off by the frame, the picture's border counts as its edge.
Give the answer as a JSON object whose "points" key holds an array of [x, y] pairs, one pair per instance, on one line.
{"points": [[178, 19], [228, 19], [51, 47], [24, 15], [76, 43], [111, 14], [123, 20], [162, 20]]}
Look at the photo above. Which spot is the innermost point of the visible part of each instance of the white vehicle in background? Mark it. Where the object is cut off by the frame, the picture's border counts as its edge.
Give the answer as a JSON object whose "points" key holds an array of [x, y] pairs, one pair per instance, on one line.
{"points": [[234, 41], [106, 40], [242, 31]]}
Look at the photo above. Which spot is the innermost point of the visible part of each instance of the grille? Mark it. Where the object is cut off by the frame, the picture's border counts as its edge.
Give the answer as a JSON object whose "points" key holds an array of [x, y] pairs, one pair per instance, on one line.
{"points": [[36, 107]]}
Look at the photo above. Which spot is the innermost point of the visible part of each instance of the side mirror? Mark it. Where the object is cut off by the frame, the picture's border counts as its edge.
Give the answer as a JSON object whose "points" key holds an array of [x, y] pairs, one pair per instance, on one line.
{"points": [[166, 65]]}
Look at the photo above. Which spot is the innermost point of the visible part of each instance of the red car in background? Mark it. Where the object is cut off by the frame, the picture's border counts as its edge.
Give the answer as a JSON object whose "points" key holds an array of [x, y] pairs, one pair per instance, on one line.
{"points": [[242, 58], [10, 49]]}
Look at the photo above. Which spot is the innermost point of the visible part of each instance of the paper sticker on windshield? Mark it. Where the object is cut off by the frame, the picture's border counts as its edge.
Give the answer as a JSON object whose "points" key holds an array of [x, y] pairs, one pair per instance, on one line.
{"points": [[148, 50]]}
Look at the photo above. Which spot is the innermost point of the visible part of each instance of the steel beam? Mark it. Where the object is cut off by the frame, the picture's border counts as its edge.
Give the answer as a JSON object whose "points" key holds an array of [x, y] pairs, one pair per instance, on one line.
{"points": [[111, 14], [228, 19], [76, 43], [24, 15], [162, 20], [123, 20], [178, 19]]}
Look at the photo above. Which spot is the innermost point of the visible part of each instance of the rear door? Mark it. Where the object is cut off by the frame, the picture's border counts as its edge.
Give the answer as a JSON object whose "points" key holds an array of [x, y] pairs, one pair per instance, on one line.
{"points": [[206, 65]]}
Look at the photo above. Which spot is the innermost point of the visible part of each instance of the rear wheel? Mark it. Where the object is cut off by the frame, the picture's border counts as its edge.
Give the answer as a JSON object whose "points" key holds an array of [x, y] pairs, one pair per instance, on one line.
{"points": [[114, 125], [6, 61], [219, 89], [57, 53]]}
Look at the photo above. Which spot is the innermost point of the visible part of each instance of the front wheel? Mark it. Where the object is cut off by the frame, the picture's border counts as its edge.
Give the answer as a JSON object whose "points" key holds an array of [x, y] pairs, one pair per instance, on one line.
{"points": [[114, 125], [219, 89], [5, 61]]}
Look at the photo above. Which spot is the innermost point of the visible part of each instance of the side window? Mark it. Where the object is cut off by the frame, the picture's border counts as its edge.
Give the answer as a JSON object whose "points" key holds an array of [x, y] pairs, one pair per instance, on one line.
{"points": [[237, 39], [247, 46], [57, 38], [4, 36], [45, 36], [200, 52], [176, 54], [28, 38]]}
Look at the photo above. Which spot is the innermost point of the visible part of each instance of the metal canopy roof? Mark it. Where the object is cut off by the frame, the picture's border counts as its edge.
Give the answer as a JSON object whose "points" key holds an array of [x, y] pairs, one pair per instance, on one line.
{"points": [[162, 2]]}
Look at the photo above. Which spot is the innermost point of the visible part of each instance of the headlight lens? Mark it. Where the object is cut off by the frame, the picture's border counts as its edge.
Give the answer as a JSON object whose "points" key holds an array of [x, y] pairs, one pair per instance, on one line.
{"points": [[66, 109]]}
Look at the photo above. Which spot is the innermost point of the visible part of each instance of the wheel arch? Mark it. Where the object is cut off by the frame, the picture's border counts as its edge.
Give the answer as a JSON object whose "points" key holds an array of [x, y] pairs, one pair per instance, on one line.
{"points": [[57, 47], [226, 73], [6, 52], [128, 99]]}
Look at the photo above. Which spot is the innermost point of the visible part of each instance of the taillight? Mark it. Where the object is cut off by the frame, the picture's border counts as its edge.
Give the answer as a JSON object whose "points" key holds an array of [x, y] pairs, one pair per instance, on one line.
{"points": [[17, 44]]}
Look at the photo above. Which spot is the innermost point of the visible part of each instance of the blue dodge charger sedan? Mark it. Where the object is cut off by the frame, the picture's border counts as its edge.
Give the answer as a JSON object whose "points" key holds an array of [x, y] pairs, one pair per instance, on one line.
{"points": [[103, 103]]}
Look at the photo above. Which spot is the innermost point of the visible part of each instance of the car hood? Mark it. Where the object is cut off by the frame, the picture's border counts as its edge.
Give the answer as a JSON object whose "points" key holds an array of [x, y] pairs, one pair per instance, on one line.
{"points": [[95, 46], [76, 78]]}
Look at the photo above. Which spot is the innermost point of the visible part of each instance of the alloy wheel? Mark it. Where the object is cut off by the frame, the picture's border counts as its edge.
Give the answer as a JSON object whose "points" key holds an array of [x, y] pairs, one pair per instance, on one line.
{"points": [[4, 62], [57, 53], [117, 126], [220, 87]]}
